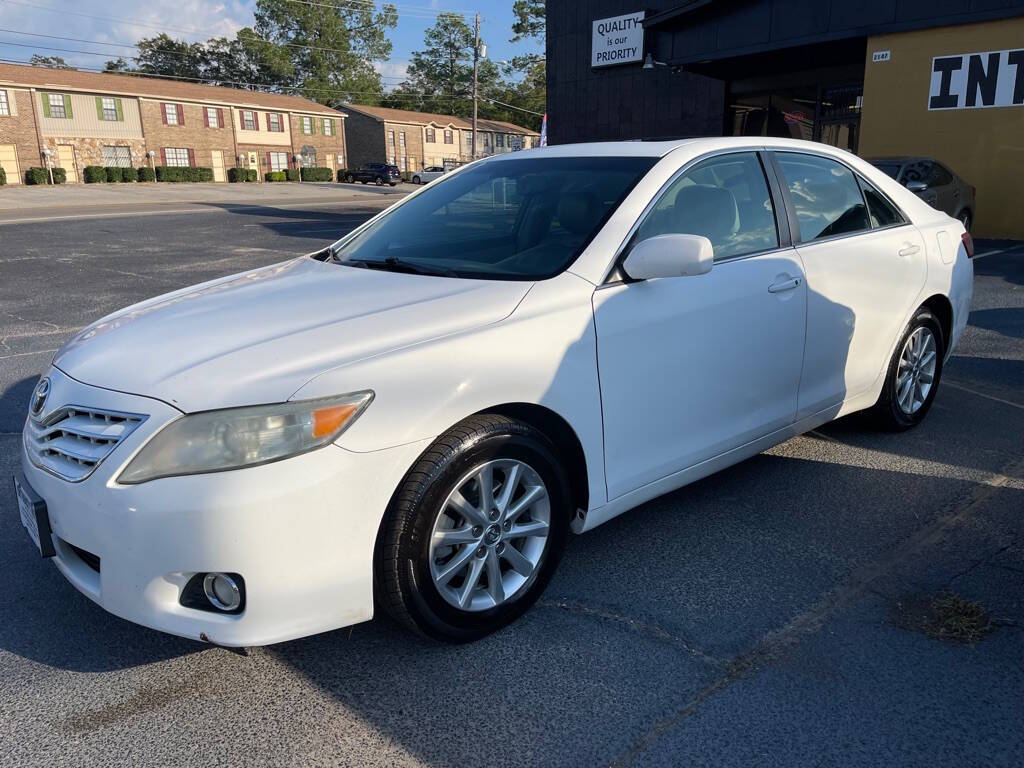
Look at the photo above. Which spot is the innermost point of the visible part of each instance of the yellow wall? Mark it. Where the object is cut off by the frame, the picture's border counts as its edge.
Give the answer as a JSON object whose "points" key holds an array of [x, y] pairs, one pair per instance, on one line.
{"points": [[984, 146], [85, 122]]}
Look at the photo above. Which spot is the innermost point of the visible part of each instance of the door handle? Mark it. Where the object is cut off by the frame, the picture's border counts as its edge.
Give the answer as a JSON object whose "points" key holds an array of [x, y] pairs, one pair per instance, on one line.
{"points": [[909, 249], [785, 285]]}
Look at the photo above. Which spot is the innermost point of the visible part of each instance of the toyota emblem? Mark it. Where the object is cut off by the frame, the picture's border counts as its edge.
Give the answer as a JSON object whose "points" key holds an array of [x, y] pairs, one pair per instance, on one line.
{"points": [[39, 397]]}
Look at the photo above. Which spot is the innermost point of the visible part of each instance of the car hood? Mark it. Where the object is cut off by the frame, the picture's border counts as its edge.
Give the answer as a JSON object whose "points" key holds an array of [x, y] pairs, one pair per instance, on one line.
{"points": [[257, 337]]}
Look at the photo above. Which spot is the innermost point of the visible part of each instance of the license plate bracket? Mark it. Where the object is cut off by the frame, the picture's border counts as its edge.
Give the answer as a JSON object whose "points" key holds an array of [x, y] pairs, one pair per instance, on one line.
{"points": [[34, 516]]}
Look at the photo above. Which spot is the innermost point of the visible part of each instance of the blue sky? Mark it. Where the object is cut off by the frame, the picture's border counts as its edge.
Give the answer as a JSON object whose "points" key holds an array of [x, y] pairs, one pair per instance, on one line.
{"points": [[112, 22]]}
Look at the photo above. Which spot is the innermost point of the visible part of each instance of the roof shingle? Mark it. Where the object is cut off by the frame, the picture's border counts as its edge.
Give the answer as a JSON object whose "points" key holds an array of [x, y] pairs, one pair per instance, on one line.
{"points": [[141, 85], [425, 118]]}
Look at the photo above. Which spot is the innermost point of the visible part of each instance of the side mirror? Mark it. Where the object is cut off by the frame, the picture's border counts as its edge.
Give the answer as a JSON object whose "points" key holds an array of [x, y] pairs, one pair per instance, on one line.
{"points": [[916, 186], [669, 256]]}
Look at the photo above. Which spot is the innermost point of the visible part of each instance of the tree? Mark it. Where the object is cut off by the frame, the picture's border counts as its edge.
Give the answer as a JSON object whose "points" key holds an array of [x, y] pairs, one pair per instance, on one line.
{"points": [[53, 62], [530, 19], [331, 48]]}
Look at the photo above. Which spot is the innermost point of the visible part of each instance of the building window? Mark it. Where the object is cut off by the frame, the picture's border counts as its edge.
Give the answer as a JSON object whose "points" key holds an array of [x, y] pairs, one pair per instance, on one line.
{"points": [[171, 114], [431, 137], [499, 140], [307, 125], [57, 105], [117, 157], [176, 156], [278, 161], [328, 127], [274, 122], [248, 120], [5, 107], [108, 108], [449, 137], [212, 119]]}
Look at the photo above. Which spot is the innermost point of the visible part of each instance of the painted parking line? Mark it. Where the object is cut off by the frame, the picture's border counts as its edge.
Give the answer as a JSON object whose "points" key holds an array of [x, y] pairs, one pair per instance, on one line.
{"points": [[961, 387]]}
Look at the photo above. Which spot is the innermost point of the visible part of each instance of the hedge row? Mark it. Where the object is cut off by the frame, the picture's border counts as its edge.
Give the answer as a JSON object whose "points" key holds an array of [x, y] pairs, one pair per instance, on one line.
{"points": [[317, 174], [3, 176], [236, 175], [98, 174], [275, 176], [41, 176], [174, 174]]}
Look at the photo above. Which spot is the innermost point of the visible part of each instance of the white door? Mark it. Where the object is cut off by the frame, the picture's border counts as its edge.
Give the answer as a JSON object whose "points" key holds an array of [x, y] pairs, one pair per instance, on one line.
{"points": [[864, 270], [9, 162], [217, 160], [691, 367]]}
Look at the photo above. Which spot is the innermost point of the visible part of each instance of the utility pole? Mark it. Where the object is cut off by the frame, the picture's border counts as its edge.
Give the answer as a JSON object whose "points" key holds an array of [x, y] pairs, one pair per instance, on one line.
{"points": [[476, 68]]}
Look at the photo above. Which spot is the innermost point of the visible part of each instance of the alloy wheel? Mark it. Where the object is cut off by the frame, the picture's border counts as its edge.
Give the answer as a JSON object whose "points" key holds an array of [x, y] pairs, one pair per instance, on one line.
{"points": [[490, 535], [916, 372]]}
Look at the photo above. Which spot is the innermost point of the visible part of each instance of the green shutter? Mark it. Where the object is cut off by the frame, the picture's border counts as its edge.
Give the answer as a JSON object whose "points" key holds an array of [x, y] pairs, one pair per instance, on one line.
{"points": [[67, 107], [120, 110], [46, 104], [99, 107]]}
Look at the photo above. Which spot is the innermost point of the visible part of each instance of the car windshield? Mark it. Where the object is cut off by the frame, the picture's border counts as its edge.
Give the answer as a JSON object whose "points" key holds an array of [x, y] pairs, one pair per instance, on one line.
{"points": [[508, 219], [891, 170]]}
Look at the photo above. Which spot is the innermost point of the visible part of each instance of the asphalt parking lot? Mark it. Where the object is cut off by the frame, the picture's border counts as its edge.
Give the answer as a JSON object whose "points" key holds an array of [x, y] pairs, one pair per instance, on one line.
{"points": [[772, 614]]}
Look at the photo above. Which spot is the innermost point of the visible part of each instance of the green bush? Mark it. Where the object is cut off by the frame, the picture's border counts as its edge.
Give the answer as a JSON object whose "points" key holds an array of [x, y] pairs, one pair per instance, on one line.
{"points": [[129, 175], [275, 176], [316, 174], [294, 174], [113, 173], [37, 176], [251, 174], [175, 174], [94, 174], [342, 173], [146, 174], [60, 176], [236, 175], [3, 176]]}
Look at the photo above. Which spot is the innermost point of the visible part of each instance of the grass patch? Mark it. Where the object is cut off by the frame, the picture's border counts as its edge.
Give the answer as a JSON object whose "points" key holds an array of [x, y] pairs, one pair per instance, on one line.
{"points": [[947, 617]]}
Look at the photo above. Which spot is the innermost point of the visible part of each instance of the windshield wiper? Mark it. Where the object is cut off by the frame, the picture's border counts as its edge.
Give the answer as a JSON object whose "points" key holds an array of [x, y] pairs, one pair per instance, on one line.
{"points": [[394, 264]]}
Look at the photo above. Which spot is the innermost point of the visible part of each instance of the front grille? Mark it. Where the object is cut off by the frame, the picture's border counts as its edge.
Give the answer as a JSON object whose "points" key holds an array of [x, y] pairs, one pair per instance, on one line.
{"points": [[72, 441]]}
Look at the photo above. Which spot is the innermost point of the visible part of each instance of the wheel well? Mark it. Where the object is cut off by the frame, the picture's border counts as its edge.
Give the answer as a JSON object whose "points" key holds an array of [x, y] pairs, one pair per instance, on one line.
{"points": [[565, 440], [943, 311]]}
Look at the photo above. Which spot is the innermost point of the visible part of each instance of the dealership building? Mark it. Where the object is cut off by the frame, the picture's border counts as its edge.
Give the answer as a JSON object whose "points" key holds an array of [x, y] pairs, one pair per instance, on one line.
{"points": [[933, 78]]}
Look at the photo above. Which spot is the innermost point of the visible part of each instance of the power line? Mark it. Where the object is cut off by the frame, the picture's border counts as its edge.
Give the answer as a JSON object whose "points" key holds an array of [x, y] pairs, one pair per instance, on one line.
{"points": [[512, 106], [411, 10], [118, 45]]}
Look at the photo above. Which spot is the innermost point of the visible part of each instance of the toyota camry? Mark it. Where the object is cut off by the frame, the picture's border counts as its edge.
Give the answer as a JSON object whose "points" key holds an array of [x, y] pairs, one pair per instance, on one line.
{"points": [[418, 416]]}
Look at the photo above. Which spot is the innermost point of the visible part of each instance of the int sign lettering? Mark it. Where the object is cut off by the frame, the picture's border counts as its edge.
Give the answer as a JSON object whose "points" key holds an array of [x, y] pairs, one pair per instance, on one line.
{"points": [[976, 80], [618, 40]]}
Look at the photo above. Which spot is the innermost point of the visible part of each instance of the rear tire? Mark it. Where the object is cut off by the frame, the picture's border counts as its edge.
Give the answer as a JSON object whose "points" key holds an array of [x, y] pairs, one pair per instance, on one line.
{"points": [[415, 179], [449, 563], [350, 179], [379, 181], [913, 376]]}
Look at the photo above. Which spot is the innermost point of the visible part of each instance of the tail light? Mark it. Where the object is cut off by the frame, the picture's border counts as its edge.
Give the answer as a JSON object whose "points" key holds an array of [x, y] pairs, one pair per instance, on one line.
{"points": [[968, 242]]}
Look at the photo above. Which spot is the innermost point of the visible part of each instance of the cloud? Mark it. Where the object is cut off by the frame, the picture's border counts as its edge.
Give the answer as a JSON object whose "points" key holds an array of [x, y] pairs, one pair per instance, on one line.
{"points": [[392, 72], [115, 21]]}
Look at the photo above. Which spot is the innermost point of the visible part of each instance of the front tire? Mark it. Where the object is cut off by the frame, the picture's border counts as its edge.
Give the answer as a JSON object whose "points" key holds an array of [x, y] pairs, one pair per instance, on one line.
{"points": [[350, 179], [913, 376], [379, 181], [416, 180], [475, 531]]}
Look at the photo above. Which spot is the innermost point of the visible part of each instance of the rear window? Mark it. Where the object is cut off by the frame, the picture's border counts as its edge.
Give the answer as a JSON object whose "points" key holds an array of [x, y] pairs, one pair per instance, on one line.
{"points": [[892, 170]]}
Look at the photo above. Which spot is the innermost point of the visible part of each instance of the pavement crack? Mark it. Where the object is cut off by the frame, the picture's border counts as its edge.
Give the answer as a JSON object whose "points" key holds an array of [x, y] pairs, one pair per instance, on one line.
{"points": [[633, 624]]}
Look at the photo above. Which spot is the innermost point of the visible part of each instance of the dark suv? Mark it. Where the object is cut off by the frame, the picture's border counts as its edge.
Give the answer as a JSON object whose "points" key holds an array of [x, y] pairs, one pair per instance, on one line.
{"points": [[378, 173]]}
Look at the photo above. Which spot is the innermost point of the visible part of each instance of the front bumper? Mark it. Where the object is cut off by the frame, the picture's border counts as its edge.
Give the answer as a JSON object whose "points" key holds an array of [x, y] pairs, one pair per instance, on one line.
{"points": [[301, 532]]}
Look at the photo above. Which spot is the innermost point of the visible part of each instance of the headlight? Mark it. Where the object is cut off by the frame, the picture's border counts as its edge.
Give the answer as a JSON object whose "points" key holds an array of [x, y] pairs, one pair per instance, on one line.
{"points": [[214, 441]]}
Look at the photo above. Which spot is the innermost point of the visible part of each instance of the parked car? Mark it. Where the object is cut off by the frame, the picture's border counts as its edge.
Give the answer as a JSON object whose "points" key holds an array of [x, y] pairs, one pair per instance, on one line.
{"points": [[934, 183], [428, 174], [424, 411], [378, 173]]}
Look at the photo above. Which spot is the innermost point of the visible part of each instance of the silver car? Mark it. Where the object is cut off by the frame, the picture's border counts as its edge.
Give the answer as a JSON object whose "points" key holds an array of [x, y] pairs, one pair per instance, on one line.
{"points": [[933, 182]]}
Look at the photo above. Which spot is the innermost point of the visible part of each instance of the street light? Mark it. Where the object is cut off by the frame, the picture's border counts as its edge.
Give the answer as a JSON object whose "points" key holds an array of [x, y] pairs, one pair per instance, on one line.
{"points": [[650, 62], [49, 166]]}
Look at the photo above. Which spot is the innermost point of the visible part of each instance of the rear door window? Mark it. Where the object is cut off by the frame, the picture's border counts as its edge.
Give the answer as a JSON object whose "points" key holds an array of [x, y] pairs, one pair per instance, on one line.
{"points": [[825, 195]]}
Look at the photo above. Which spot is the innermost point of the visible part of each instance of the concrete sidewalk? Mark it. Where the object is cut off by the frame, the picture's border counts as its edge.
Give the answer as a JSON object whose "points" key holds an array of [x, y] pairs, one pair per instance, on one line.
{"points": [[25, 198]]}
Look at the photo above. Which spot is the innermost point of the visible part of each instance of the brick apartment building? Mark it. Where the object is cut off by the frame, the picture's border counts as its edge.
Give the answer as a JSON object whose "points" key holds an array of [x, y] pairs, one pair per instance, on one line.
{"points": [[415, 140], [86, 118]]}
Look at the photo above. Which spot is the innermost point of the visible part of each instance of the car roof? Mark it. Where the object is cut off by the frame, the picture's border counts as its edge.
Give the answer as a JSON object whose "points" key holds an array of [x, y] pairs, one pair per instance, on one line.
{"points": [[898, 159], [661, 148]]}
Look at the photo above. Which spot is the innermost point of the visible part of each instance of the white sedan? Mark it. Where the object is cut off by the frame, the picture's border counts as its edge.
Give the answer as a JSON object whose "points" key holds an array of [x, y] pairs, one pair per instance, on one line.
{"points": [[428, 174], [424, 411]]}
